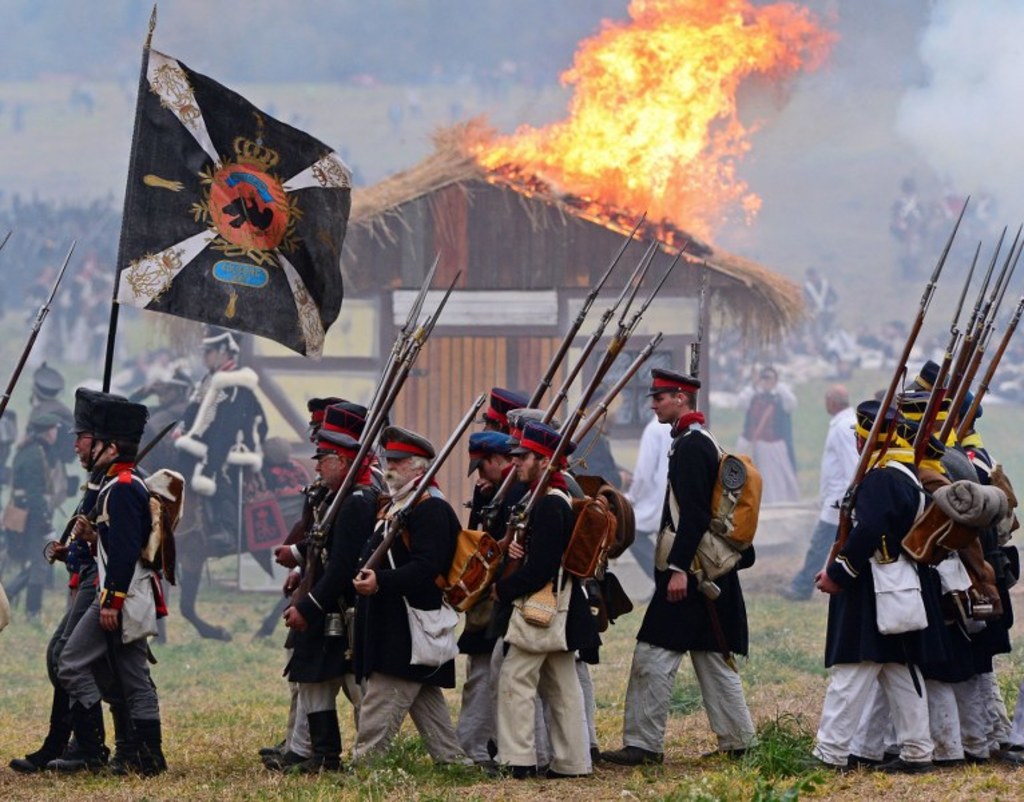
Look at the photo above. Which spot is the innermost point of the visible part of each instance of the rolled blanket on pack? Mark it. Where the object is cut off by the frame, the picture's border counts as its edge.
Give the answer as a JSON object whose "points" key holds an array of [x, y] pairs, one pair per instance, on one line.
{"points": [[971, 504]]}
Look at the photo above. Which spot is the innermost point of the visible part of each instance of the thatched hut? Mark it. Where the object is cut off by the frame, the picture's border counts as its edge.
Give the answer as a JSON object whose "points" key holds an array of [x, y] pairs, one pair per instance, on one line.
{"points": [[526, 257]]}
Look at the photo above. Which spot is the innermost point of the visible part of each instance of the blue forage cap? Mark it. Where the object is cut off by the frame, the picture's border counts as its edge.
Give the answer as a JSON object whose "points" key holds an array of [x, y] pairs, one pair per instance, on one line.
{"points": [[484, 444]]}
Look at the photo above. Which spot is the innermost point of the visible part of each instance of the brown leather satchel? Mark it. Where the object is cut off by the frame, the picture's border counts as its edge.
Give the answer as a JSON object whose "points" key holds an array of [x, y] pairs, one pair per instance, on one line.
{"points": [[933, 534], [592, 537], [621, 508]]}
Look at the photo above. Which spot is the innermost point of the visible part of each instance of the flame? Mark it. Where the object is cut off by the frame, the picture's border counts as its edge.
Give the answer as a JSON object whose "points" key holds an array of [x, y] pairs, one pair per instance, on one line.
{"points": [[653, 121]]}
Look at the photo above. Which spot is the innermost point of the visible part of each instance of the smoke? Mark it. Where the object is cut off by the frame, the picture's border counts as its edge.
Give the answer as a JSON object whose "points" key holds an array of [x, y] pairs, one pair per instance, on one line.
{"points": [[965, 118]]}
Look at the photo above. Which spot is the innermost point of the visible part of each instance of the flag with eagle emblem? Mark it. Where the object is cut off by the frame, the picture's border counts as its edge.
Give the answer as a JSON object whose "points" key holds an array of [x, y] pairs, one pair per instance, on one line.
{"points": [[231, 217]]}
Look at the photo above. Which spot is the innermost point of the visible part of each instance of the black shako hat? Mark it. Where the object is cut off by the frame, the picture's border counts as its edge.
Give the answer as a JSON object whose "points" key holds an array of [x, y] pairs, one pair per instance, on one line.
{"points": [[399, 443], [501, 402], [316, 407], [668, 381], [341, 429], [925, 379], [540, 439], [109, 417]]}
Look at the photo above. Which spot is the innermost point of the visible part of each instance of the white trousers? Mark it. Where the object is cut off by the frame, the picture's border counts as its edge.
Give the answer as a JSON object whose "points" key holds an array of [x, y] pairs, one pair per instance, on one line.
{"points": [[651, 679], [541, 741], [553, 677], [849, 691], [387, 700]]}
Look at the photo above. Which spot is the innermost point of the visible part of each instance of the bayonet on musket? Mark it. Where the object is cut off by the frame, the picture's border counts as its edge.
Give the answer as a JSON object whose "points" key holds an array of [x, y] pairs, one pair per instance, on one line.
{"points": [[595, 338], [7, 236], [939, 388], [588, 301], [36, 326], [871, 440]]}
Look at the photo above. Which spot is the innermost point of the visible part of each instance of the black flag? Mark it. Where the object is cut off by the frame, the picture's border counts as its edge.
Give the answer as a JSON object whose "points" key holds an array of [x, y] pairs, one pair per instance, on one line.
{"points": [[232, 217]]}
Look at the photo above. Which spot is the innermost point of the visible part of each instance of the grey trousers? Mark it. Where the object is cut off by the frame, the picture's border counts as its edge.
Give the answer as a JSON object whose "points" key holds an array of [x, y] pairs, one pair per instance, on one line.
{"points": [[387, 700], [476, 716], [651, 679], [89, 650], [80, 599]]}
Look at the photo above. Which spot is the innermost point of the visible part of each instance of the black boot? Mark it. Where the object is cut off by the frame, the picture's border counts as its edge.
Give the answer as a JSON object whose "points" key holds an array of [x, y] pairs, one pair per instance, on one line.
{"points": [[151, 755], [88, 753], [126, 742], [326, 739], [56, 739]]}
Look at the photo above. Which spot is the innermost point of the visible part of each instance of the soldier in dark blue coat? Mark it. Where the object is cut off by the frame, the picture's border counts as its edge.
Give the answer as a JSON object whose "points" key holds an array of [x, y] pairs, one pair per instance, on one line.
{"points": [[393, 685], [887, 501], [680, 617], [123, 616], [321, 656]]}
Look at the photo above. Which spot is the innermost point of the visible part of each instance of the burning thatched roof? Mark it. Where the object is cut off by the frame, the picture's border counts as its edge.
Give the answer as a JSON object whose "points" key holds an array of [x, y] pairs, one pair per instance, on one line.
{"points": [[761, 302]]}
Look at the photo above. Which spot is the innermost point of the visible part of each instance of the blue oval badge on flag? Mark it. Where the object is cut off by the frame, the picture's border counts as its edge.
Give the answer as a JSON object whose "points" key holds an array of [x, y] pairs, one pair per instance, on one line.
{"points": [[240, 273]]}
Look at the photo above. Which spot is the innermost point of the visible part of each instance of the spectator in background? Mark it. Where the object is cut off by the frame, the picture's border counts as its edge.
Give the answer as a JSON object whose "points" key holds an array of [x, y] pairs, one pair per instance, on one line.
{"points": [[838, 463], [647, 491], [768, 435]]}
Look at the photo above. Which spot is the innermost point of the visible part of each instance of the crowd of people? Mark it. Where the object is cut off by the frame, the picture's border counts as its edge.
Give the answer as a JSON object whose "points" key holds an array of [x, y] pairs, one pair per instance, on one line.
{"points": [[911, 686]]}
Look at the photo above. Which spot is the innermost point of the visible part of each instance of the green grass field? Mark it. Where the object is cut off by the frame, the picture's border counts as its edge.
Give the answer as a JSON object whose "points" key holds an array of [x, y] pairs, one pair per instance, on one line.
{"points": [[221, 702]]}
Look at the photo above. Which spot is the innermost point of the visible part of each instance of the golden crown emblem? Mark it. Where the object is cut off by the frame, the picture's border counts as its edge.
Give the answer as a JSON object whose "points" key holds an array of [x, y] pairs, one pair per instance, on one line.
{"points": [[250, 152]]}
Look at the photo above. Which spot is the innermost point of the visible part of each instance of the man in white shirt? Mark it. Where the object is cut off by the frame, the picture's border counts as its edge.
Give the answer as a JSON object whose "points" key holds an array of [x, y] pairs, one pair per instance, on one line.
{"points": [[647, 490], [838, 463]]}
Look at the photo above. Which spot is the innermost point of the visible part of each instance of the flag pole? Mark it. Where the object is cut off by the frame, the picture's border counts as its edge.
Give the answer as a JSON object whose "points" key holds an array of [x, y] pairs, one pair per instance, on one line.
{"points": [[129, 190]]}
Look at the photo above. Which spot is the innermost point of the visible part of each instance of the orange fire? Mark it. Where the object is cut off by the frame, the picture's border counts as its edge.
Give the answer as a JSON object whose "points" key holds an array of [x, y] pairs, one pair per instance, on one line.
{"points": [[653, 121]]}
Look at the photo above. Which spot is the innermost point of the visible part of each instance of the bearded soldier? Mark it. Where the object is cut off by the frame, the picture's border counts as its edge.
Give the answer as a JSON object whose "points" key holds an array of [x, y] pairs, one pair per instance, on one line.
{"points": [[393, 685]]}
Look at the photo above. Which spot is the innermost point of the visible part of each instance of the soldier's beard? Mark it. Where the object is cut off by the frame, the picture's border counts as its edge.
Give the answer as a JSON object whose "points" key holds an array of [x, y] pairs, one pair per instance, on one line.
{"points": [[396, 484]]}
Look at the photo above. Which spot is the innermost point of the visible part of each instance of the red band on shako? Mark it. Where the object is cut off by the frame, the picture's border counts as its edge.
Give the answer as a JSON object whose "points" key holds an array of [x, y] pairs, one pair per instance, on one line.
{"points": [[317, 416], [492, 414], [407, 448], [668, 385], [327, 445]]}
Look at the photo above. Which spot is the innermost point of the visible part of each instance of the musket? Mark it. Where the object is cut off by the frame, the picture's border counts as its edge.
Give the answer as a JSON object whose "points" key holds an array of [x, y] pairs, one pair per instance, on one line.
{"points": [[602, 408], [6, 237], [50, 548], [938, 392], [989, 316], [396, 522], [963, 356], [634, 281], [695, 347], [36, 326], [367, 442], [967, 423], [871, 440], [404, 335], [402, 366], [588, 302]]}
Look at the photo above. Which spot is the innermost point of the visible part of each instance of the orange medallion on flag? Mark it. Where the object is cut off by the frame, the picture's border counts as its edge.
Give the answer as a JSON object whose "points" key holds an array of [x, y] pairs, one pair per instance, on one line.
{"points": [[248, 207]]}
